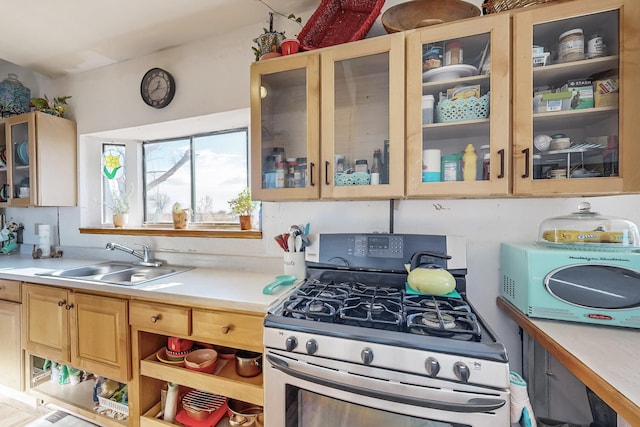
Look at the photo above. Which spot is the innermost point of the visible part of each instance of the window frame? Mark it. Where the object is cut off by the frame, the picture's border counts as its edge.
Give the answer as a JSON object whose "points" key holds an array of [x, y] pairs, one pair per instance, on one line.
{"points": [[233, 225]]}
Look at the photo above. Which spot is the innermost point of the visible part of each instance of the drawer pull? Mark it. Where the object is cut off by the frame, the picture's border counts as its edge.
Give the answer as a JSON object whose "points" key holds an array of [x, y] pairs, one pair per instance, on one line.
{"points": [[226, 329], [69, 306], [61, 303], [154, 319]]}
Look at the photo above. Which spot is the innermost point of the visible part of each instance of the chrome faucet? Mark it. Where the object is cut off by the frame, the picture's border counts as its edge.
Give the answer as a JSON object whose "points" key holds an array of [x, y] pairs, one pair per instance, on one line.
{"points": [[145, 257]]}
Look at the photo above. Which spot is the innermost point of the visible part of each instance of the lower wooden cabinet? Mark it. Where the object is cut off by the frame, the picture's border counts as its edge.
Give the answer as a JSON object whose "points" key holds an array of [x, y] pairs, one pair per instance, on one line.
{"points": [[11, 360], [239, 330]]}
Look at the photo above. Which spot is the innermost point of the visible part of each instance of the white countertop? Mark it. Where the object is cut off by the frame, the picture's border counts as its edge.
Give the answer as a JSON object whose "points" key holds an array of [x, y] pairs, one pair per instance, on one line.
{"points": [[208, 287], [604, 358]]}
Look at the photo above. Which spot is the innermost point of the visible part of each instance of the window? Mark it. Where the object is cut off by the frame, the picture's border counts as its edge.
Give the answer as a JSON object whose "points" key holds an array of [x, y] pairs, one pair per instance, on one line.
{"points": [[115, 194], [200, 172]]}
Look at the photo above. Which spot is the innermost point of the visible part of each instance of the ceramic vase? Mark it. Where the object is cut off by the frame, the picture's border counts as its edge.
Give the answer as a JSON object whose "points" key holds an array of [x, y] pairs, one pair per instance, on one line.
{"points": [[14, 97], [120, 220]]}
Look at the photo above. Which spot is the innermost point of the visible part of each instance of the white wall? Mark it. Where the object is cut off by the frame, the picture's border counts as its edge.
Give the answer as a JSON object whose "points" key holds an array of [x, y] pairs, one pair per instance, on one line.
{"points": [[212, 76]]}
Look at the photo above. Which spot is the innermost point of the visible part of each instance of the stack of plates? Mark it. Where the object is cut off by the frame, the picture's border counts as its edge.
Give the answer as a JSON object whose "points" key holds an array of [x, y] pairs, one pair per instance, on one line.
{"points": [[22, 152]]}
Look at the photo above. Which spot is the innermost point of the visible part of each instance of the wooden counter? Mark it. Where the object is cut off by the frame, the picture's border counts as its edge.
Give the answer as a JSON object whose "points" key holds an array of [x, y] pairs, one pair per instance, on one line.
{"points": [[604, 358]]}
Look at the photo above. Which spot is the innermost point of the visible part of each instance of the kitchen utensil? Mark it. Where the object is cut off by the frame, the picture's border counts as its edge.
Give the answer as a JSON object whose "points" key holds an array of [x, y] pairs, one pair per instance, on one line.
{"points": [[248, 363], [291, 243], [161, 355], [244, 413], [429, 278], [280, 241], [202, 360], [199, 405], [281, 280], [420, 13]]}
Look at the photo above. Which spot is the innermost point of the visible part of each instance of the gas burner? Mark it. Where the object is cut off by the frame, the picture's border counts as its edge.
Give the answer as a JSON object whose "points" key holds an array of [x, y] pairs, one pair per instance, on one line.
{"points": [[432, 320], [449, 324], [361, 289], [432, 302], [323, 290], [372, 312], [323, 310]]}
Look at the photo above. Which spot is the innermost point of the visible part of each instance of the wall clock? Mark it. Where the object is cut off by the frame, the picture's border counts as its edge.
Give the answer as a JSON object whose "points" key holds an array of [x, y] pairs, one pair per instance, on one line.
{"points": [[157, 88]]}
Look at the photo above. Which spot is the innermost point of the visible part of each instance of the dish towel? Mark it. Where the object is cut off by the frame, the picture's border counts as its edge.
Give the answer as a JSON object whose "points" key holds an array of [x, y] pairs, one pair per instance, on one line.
{"points": [[521, 410]]}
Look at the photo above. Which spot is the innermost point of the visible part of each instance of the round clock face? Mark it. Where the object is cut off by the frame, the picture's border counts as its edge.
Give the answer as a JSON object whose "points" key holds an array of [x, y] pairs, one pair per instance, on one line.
{"points": [[157, 88]]}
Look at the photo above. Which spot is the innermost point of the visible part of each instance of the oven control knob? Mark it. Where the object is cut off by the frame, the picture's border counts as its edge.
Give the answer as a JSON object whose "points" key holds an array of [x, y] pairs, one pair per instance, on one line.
{"points": [[312, 346], [367, 355], [291, 343], [432, 366], [462, 371]]}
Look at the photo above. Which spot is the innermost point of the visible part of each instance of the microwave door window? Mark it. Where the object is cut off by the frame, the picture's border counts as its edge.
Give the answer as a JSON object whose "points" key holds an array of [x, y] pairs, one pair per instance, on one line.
{"points": [[596, 286]]}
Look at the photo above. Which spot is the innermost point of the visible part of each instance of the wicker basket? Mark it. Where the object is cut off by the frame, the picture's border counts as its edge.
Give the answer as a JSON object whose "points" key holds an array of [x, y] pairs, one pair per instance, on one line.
{"points": [[339, 21], [462, 109], [114, 406], [356, 178], [495, 6]]}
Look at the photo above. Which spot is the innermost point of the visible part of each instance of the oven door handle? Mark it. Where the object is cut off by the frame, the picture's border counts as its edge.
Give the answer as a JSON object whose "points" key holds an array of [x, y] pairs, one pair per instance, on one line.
{"points": [[472, 405]]}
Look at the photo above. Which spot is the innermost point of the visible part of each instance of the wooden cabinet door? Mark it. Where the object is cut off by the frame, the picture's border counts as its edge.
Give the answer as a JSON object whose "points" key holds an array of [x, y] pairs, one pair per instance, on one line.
{"points": [[285, 123], [11, 359], [45, 322], [602, 157], [100, 336], [362, 110], [459, 118]]}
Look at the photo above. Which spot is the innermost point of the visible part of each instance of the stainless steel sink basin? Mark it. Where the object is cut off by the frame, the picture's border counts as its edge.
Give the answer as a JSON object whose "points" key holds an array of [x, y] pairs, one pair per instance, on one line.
{"points": [[116, 273]]}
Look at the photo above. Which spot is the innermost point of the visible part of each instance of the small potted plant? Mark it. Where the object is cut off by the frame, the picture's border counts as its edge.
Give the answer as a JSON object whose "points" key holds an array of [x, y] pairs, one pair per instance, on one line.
{"points": [[243, 206], [120, 205], [180, 216]]}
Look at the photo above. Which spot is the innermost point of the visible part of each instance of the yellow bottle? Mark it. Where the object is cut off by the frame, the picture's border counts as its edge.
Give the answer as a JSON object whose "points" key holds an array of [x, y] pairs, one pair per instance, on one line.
{"points": [[469, 162]]}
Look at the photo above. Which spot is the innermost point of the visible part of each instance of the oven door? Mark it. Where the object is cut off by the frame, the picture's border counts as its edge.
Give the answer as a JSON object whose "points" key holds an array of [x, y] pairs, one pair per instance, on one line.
{"points": [[308, 391]]}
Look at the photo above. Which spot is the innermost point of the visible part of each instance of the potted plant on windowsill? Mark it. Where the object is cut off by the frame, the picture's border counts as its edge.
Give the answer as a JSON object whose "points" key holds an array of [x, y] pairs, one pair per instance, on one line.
{"points": [[180, 216], [243, 206], [120, 205]]}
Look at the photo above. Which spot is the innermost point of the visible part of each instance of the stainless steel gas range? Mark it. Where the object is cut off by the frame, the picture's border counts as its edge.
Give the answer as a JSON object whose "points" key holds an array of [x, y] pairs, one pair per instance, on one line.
{"points": [[352, 345]]}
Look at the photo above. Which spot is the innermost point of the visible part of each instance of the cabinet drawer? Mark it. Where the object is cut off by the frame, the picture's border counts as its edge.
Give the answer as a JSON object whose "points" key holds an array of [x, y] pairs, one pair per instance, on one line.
{"points": [[10, 290], [166, 319], [229, 329]]}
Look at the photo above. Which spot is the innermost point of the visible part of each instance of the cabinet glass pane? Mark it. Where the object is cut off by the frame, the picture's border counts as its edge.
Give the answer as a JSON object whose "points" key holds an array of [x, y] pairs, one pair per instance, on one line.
{"points": [[20, 160], [455, 109], [361, 128], [575, 97], [4, 172], [284, 129]]}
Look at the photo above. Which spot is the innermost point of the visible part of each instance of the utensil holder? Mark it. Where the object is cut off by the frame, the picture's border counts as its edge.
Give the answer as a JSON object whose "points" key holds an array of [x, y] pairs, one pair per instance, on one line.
{"points": [[294, 264]]}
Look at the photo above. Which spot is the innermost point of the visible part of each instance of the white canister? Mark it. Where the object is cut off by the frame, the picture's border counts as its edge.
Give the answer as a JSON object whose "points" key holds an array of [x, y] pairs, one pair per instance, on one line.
{"points": [[294, 264], [44, 239], [427, 109], [431, 165]]}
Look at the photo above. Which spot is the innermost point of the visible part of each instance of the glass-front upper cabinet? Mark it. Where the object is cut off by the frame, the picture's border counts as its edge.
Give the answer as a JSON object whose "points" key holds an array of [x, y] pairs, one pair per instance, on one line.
{"points": [[458, 108], [362, 118], [285, 128], [330, 123], [575, 69], [18, 155]]}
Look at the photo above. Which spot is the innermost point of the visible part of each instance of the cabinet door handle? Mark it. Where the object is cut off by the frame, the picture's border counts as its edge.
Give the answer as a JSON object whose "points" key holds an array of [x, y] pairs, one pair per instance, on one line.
{"points": [[69, 306], [501, 153], [154, 319], [227, 329], [311, 166], [61, 303], [326, 172], [526, 163]]}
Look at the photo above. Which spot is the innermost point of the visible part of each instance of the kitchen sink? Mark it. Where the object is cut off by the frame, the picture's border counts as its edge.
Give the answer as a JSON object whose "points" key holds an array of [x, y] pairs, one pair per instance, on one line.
{"points": [[116, 273]]}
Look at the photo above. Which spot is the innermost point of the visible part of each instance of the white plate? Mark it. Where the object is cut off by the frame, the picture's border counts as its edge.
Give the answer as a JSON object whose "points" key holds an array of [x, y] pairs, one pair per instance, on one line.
{"points": [[449, 72], [542, 142]]}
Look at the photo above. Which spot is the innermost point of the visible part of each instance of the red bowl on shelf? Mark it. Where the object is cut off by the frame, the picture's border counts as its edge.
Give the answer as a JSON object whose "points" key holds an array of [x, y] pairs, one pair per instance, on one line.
{"points": [[203, 360]]}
